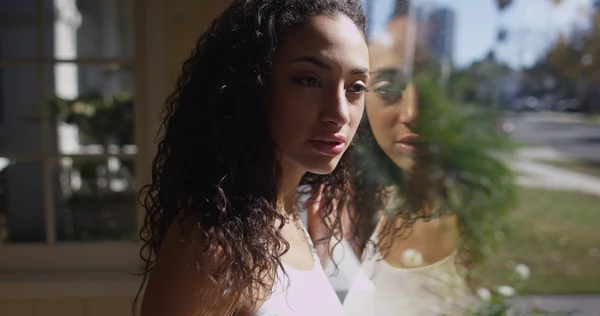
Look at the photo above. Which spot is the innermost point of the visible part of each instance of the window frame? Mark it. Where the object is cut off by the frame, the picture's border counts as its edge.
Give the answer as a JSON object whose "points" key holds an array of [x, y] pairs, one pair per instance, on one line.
{"points": [[28, 268]]}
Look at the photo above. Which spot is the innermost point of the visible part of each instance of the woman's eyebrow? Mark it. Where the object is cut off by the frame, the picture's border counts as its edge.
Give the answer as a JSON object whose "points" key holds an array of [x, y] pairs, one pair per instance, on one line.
{"points": [[388, 71], [313, 60], [323, 65]]}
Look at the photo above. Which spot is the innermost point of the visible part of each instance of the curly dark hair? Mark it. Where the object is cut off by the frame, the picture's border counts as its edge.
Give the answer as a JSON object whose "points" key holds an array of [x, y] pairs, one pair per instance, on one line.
{"points": [[204, 168], [377, 178]]}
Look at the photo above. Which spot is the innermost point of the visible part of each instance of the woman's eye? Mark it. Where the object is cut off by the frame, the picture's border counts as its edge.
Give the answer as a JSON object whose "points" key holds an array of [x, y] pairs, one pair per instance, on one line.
{"points": [[389, 92], [386, 88], [307, 81], [357, 88]]}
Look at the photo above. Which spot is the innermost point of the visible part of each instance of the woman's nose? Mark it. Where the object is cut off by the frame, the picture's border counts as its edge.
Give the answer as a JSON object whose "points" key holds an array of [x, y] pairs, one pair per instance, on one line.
{"points": [[335, 110], [408, 107]]}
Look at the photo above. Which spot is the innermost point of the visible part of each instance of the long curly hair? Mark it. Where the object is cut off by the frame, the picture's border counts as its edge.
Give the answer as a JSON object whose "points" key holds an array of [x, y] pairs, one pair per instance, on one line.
{"points": [[203, 166], [378, 183]]}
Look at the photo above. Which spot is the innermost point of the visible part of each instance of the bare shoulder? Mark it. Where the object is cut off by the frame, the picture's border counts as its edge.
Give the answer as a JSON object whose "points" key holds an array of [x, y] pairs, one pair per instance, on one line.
{"points": [[181, 282]]}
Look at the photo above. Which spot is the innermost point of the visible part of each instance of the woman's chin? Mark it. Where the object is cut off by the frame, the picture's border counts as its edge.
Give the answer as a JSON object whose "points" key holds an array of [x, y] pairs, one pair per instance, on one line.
{"points": [[404, 163], [324, 167]]}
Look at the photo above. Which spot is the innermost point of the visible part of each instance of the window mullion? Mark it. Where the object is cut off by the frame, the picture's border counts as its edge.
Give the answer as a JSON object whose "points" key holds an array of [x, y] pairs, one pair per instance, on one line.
{"points": [[46, 134], [52, 61]]}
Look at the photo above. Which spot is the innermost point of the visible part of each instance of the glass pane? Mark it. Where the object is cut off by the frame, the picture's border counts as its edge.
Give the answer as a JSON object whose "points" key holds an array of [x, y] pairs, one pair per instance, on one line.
{"points": [[487, 72], [96, 199], [18, 30], [92, 29], [20, 112], [21, 201], [93, 107]]}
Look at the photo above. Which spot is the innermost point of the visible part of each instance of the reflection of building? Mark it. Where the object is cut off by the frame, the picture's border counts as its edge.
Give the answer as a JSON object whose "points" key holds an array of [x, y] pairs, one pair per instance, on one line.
{"points": [[435, 30], [496, 83]]}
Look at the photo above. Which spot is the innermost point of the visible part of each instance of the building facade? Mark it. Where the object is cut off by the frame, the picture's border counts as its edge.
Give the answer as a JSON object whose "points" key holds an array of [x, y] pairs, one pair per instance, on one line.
{"points": [[435, 30]]}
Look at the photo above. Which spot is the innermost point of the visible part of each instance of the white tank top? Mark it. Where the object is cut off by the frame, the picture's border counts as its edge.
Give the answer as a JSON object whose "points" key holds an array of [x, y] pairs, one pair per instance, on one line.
{"points": [[302, 293], [381, 289]]}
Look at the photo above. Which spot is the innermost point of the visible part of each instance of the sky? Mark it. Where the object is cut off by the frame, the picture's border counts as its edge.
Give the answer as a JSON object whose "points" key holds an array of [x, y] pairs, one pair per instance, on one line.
{"points": [[532, 24]]}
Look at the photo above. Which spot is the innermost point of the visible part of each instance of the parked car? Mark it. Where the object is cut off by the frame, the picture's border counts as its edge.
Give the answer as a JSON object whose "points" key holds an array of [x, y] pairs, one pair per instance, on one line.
{"points": [[567, 105], [529, 103]]}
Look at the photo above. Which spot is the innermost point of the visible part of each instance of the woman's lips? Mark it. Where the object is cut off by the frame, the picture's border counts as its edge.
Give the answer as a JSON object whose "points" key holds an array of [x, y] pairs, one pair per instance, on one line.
{"points": [[406, 147], [409, 143], [329, 144], [330, 149]]}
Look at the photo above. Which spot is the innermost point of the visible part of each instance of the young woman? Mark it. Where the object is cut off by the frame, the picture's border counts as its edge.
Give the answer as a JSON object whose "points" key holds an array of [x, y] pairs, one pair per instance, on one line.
{"points": [[269, 100], [410, 263]]}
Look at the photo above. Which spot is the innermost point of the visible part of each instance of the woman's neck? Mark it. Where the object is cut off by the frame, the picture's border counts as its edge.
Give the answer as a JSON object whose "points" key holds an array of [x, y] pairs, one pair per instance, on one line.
{"points": [[434, 239], [290, 179], [415, 192]]}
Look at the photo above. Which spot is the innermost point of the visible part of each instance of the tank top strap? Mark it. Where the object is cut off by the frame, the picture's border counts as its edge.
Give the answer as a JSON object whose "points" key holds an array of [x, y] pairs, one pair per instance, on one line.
{"points": [[316, 259], [309, 239]]}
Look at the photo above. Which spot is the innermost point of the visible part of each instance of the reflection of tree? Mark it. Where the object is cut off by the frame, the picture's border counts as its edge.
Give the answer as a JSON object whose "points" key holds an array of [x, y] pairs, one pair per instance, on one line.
{"points": [[502, 33], [470, 176], [99, 196], [503, 4], [463, 86], [491, 77], [99, 193], [102, 217], [469, 157], [573, 62], [100, 119]]}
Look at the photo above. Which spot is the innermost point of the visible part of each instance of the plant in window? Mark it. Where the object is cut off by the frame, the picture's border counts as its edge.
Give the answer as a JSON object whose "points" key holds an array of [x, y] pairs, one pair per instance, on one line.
{"points": [[100, 119], [470, 157]]}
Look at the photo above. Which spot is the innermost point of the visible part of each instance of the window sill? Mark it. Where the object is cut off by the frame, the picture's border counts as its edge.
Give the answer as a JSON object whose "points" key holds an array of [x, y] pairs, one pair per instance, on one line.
{"points": [[108, 256], [69, 270], [68, 285]]}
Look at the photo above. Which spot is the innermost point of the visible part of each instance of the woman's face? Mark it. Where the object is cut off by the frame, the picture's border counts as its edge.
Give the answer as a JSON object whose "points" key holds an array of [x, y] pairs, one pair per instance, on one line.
{"points": [[319, 82], [392, 105]]}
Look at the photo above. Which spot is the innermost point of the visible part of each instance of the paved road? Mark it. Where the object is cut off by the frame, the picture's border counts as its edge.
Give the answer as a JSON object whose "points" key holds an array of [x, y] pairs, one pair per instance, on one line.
{"points": [[538, 175], [568, 134], [570, 137], [582, 305]]}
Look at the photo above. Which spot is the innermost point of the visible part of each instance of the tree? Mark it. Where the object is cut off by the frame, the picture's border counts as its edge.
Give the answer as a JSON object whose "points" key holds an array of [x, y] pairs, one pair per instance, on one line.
{"points": [[574, 62], [503, 4]]}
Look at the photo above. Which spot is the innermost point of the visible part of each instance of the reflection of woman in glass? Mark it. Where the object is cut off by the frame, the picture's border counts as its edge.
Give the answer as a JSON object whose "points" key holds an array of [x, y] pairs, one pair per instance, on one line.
{"points": [[410, 263], [269, 100]]}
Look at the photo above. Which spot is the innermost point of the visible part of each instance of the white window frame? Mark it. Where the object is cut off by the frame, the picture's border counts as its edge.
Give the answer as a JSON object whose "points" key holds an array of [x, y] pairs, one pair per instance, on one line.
{"points": [[84, 269]]}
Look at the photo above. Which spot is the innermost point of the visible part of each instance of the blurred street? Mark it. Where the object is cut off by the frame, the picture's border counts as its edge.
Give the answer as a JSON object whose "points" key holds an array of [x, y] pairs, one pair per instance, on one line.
{"points": [[570, 135], [560, 137]]}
